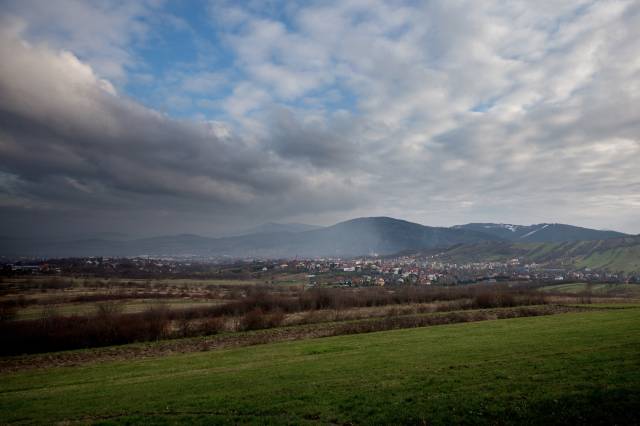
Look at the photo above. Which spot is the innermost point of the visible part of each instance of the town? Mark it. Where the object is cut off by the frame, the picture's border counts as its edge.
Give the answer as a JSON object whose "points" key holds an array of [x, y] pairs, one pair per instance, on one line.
{"points": [[370, 271]]}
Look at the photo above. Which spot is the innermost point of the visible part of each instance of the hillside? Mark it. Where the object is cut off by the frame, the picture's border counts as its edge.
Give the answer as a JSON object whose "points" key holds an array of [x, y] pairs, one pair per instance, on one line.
{"points": [[541, 233], [577, 368], [382, 235], [272, 227], [614, 254]]}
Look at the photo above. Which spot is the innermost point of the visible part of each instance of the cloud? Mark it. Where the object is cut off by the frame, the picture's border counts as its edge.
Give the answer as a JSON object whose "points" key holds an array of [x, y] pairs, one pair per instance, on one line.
{"points": [[324, 144], [75, 143], [98, 31], [440, 112]]}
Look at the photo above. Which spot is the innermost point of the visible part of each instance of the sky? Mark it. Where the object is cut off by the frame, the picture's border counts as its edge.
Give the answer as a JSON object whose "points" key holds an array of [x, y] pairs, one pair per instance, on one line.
{"points": [[162, 117]]}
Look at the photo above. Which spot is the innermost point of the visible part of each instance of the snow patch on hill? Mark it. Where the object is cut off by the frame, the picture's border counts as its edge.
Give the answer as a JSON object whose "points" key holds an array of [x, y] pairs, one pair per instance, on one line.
{"points": [[512, 228], [528, 234]]}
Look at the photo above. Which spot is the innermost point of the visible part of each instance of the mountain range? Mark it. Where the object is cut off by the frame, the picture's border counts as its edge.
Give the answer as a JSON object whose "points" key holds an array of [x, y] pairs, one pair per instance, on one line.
{"points": [[271, 227], [362, 236]]}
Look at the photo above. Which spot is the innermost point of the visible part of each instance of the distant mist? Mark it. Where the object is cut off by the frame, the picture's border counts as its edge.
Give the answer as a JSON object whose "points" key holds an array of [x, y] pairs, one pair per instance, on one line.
{"points": [[356, 237]]}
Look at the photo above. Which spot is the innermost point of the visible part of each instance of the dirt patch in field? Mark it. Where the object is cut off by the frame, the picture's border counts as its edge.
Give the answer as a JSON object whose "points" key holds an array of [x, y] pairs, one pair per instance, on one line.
{"points": [[280, 334]]}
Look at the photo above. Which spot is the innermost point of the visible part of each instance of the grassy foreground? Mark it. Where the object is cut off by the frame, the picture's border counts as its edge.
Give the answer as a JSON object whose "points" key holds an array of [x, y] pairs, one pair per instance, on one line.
{"points": [[569, 368]]}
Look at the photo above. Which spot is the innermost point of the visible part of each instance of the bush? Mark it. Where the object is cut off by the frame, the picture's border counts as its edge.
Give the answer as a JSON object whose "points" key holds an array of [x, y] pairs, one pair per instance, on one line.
{"points": [[504, 297], [156, 322], [257, 319], [8, 311], [211, 326], [255, 308], [53, 332], [109, 309], [253, 320]]}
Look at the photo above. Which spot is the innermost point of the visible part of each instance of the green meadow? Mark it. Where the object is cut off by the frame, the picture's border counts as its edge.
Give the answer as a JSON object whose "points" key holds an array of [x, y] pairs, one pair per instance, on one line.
{"points": [[572, 368]]}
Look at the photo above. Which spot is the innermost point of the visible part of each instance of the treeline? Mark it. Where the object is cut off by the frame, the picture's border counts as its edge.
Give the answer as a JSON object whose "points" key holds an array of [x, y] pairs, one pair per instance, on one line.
{"points": [[258, 309], [333, 298]]}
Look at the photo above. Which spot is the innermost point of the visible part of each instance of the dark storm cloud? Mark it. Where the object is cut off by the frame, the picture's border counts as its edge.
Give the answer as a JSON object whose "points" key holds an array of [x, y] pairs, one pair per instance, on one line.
{"points": [[68, 139], [325, 145]]}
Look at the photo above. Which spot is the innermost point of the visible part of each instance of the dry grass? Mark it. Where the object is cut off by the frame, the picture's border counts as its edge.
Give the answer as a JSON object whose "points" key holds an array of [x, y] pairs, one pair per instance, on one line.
{"points": [[216, 340], [112, 320]]}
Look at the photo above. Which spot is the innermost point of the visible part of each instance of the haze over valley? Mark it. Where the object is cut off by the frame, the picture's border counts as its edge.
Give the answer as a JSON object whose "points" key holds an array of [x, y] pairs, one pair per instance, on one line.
{"points": [[320, 212], [357, 237]]}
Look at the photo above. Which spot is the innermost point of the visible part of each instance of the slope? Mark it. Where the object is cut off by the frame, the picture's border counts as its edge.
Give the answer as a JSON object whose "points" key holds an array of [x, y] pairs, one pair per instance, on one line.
{"points": [[543, 232], [563, 369], [614, 254]]}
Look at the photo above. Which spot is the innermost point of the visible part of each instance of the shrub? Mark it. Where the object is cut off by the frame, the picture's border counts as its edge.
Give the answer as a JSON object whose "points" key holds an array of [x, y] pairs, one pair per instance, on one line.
{"points": [[108, 309], [257, 319], [211, 326], [8, 311], [156, 321], [485, 299], [252, 320]]}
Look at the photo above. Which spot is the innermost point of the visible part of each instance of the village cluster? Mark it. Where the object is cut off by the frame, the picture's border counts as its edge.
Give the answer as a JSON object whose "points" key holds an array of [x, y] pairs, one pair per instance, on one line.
{"points": [[357, 272], [415, 270]]}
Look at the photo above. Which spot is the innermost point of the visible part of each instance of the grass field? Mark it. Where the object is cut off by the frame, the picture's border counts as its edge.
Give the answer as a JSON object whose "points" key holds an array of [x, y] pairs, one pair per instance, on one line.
{"points": [[629, 290], [569, 368], [619, 259], [138, 305], [284, 279], [79, 282]]}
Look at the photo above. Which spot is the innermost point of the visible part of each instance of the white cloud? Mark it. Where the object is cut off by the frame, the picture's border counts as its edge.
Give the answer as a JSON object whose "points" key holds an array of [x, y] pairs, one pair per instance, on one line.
{"points": [[98, 31]]}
